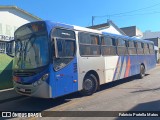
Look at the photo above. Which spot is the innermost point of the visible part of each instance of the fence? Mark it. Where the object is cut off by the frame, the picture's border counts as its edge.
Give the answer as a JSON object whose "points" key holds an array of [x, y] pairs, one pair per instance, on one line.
{"points": [[2, 47]]}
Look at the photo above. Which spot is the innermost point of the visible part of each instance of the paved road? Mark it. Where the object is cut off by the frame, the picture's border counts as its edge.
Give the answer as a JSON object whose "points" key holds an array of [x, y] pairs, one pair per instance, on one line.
{"points": [[124, 95]]}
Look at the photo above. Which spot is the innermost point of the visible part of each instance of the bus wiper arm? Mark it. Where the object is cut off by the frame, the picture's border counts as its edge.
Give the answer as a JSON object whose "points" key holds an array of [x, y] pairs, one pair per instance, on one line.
{"points": [[33, 36]]}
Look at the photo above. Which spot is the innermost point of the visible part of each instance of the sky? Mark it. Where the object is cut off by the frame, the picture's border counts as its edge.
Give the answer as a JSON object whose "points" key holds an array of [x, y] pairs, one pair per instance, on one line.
{"points": [[145, 14]]}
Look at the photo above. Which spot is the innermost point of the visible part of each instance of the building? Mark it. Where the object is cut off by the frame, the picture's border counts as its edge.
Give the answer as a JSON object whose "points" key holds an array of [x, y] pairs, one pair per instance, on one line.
{"points": [[155, 37], [132, 31], [150, 34], [11, 17], [109, 27], [157, 47]]}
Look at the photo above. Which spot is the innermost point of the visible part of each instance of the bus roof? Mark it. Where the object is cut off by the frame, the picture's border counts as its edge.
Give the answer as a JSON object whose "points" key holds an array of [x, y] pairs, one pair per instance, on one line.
{"points": [[78, 28], [126, 37]]}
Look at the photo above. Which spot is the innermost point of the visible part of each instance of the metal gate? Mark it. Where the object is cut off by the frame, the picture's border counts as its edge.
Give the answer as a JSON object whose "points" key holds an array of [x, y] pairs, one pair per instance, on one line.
{"points": [[2, 47]]}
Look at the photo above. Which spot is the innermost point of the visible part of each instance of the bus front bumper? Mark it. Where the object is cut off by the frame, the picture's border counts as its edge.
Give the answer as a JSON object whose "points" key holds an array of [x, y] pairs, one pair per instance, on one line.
{"points": [[43, 90]]}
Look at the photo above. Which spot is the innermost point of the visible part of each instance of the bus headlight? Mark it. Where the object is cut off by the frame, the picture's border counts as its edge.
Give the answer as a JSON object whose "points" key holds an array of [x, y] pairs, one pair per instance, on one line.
{"points": [[35, 84], [43, 78]]}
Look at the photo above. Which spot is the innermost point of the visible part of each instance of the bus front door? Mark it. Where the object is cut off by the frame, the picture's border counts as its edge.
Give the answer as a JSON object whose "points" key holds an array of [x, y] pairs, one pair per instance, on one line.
{"points": [[65, 66], [66, 80]]}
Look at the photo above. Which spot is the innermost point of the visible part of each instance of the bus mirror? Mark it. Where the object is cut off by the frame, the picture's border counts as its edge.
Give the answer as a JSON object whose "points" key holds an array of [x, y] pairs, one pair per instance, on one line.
{"points": [[10, 54], [10, 48]]}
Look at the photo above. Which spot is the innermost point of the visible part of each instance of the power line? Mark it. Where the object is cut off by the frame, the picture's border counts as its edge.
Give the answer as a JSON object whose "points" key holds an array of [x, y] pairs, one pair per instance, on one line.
{"points": [[130, 15], [129, 11], [149, 13], [123, 13]]}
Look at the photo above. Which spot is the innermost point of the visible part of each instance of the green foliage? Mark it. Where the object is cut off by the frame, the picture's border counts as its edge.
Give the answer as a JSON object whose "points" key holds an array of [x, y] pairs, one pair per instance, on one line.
{"points": [[5, 71]]}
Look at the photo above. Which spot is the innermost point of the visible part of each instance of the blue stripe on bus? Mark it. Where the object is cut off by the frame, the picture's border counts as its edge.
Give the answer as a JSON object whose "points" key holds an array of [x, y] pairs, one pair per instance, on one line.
{"points": [[131, 65], [50, 26]]}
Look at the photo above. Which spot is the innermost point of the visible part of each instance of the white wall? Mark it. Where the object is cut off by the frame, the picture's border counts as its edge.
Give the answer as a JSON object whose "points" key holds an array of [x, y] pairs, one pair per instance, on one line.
{"points": [[11, 19], [111, 29]]}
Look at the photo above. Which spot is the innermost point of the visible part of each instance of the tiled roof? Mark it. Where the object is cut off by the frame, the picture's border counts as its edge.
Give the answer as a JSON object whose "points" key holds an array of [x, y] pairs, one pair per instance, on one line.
{"points": [[19, 9], [107, 25]]}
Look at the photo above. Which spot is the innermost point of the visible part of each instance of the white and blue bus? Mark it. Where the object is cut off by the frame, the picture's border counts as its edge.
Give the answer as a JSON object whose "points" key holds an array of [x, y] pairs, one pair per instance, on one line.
{"points": [[54, 59]]}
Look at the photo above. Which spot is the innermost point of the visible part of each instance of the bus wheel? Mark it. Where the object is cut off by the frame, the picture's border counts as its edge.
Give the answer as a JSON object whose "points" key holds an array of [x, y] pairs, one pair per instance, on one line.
{"points": [[142, 71], [90, 85]]}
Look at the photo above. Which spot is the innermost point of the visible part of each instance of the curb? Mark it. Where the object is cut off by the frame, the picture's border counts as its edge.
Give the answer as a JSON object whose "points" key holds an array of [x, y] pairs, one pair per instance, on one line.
{"points": [[8, 94]]}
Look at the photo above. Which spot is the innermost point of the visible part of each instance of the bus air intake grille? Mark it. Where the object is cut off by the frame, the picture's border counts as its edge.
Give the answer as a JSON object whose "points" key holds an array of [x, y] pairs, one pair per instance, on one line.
{"points": [[24, 74], [27, 91]]}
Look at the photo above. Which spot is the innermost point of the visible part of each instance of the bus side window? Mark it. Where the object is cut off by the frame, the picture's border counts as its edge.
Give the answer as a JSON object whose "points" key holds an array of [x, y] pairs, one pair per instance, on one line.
{"points": [[89, 44], [142, 45], [60, 48], [53, 47], [63, 47], [140, 48], [121, 47], [151, 49], [146, 48], [132, 48], [69, 48], [107, 46]]}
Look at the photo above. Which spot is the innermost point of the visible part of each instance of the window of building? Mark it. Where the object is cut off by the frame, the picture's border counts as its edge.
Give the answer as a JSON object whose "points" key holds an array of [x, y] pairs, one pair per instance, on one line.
{"points": [[89, 44], [2, 47]]}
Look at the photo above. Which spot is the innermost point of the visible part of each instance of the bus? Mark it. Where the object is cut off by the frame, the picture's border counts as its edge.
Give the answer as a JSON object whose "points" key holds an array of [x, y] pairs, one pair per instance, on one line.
{"points": [[55, 59]]}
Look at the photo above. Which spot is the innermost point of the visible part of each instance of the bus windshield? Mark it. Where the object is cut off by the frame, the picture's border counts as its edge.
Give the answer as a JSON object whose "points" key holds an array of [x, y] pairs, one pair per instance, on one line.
{"points": [[31, 50]]}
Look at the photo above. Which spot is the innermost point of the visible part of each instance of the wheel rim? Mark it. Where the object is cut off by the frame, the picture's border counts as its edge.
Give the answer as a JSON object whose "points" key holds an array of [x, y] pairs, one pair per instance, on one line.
{"points": [[88, 84]]}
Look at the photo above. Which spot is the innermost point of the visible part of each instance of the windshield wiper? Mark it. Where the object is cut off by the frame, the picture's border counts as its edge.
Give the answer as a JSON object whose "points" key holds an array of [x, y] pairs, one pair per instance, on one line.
{"points": [[19, 51], [33, 36]]}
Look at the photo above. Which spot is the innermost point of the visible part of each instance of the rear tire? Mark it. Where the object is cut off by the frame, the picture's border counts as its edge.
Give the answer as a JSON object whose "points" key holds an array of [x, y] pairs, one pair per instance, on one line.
{"points": [[142, 72], [90, 85]]}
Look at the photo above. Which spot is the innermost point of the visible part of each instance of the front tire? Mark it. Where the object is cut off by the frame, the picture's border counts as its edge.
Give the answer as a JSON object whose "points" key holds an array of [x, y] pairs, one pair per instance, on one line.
{"points": [[90, 85], [142, 71]]}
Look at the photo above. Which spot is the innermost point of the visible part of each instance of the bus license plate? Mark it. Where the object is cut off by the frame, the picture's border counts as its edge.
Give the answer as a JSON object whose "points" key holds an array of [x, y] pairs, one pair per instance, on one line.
{"points": [[22, 89]]}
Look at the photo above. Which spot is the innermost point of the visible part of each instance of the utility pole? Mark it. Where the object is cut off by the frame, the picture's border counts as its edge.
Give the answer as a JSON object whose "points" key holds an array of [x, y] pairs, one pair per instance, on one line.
{"points": [[93, 20]]}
